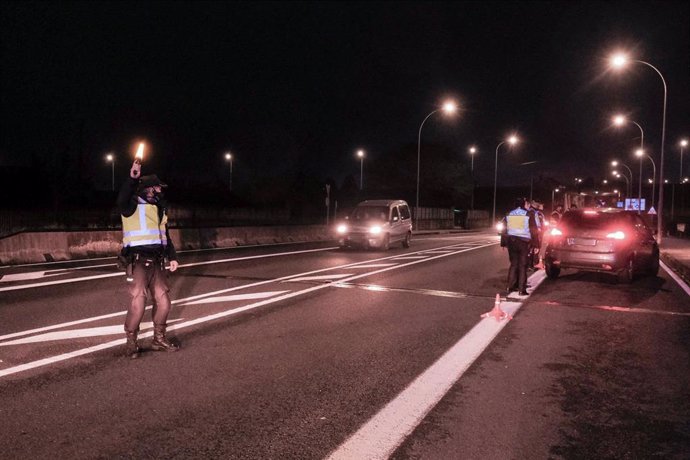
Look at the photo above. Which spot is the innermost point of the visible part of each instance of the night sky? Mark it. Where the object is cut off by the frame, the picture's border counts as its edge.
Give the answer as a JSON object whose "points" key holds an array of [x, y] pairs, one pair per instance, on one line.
{"points": [[298, 87]]}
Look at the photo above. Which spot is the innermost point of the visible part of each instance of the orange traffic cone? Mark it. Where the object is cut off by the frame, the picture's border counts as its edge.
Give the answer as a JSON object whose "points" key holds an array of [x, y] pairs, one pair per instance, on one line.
{"points": [[496, 313]]}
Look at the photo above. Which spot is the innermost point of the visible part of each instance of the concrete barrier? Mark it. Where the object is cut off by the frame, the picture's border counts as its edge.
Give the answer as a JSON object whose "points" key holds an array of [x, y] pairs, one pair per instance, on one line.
{"points": [[33, 247]]}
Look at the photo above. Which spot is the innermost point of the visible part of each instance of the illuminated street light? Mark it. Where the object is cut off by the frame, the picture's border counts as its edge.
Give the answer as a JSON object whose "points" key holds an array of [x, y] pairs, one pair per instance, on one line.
{"points": [[473, 150], [449, 107], [553, 193], [618, 61], [228, 158], [640, 153], [110, 158], [360, 155], [627, 182], [616, 163], [512, 140], [683, 143], [620, 120]]}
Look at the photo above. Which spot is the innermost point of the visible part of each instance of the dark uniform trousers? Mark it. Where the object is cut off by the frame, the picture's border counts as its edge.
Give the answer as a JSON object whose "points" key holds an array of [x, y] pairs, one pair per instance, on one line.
{"points": [[518, 252], [148, 273]]}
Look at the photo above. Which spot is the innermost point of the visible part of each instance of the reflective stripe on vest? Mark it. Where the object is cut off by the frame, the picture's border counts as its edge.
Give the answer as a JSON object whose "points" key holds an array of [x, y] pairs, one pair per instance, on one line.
{"points": [[518, 223], [143, 228]]}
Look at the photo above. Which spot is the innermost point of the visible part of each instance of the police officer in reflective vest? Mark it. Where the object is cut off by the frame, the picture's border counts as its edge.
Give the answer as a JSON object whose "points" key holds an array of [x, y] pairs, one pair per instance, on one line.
{"points": [[521, 230], [147, 247]]}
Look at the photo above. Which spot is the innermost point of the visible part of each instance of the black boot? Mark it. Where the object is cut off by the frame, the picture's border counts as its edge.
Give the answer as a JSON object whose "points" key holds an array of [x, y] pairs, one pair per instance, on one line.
{"points": [[131, 348], [160, 341]]}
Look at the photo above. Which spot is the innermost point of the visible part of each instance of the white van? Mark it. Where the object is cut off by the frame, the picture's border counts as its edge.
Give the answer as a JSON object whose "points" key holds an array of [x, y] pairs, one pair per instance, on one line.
{"points": [[377, 224]]}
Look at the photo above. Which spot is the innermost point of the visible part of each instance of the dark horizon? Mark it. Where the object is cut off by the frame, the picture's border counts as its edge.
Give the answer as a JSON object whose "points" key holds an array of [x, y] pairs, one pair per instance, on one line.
{"points": [[297, 88]]}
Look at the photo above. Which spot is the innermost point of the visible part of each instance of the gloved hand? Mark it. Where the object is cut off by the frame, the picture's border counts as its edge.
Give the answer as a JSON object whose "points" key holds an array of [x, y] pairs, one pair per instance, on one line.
{"points": [[135, 172], [173, 265]]}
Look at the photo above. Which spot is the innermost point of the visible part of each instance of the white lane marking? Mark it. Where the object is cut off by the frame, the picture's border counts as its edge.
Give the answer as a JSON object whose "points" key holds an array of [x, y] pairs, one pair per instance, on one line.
{"points": [[333, 276], [371, 265], [386, 430], [204, 319], [77, 334], [89, 259], [194, 297], [110, 275], [234, 298], [676, 278], [411, 257], [383, 433], [21, 276]]}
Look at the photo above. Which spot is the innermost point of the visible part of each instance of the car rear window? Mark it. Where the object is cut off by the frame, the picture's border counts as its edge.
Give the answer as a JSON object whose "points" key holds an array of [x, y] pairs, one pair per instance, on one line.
{"points": [[592, 220]]}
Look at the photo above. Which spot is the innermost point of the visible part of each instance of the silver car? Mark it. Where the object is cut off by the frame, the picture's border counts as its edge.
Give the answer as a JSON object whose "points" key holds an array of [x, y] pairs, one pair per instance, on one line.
{"points": [[377, 224]]}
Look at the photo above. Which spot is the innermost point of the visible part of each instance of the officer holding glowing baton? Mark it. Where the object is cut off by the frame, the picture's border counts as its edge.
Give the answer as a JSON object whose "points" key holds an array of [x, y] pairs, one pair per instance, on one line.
{"points": [[147, 249]]}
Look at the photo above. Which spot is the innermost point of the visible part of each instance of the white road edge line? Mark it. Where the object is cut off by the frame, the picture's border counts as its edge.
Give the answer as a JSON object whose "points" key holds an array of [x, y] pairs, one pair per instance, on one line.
{"points": [[203, 319], [386, 430], [676, 278]]}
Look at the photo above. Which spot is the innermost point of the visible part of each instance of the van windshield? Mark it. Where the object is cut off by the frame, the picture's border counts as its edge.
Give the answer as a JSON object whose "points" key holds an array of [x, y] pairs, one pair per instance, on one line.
{"points": [[366, 213]]}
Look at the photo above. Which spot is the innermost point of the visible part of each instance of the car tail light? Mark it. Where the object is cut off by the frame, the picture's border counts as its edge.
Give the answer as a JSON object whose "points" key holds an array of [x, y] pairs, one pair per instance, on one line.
{"points": [[616, 235], [556, 232]]}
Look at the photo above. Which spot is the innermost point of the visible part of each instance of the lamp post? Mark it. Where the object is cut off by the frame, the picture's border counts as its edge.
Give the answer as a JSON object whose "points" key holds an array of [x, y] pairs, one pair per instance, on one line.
{"points": [[553, 198], [512, 140], [110, 158], [473, 151], [616, 163], [360, 155], [620, 120], [449, 108], [683, 143], [228, 158], [627, 182], [640, 153], [619, 61]]}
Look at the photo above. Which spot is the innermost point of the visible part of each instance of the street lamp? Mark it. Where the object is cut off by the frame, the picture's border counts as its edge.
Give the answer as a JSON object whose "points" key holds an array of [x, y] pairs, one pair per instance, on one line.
{"points": [[228, 158], [616, 163], [627, 182], [110, 158], [473, 150], [512, 140], [449, 107], [620, 120], [618, 61], [553, 197], [360, 155], [683, 143], [652, 181]]}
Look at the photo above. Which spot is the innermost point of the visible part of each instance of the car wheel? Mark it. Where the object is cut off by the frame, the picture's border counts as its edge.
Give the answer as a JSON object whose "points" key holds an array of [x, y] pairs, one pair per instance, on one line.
{"points": [[654, 266], [626, 275], [551, 270], [406, 241], [386, 242]]}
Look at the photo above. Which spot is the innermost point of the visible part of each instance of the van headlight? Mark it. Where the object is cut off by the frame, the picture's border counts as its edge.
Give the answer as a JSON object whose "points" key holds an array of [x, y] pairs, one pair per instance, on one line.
{"points": [[499, 227], [341, 229], [375, 230]]}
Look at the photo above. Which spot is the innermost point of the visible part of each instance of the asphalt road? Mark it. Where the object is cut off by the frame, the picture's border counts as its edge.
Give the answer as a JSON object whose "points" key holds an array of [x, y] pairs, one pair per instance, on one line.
{"points": [[307, 351]]}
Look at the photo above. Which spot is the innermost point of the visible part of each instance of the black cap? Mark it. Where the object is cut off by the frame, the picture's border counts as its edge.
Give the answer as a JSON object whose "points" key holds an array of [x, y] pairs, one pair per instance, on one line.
{"points": [[150, 181], [520, 202]]}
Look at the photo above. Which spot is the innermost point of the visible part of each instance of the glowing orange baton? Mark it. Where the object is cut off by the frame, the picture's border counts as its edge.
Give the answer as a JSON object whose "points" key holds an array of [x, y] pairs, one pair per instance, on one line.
{"points": [[140, 153]]}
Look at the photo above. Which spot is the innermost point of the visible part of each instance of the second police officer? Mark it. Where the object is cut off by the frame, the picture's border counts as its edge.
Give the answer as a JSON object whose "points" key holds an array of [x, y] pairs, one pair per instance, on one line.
{"points": [[522, 235]]}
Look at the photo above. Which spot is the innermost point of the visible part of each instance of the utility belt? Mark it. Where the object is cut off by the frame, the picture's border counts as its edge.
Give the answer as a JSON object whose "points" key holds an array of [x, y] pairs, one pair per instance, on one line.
{"points": [[127, 260]]}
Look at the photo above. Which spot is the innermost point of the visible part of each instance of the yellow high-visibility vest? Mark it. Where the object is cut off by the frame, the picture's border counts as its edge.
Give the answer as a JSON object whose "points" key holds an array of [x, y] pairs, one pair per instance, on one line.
{"points": [[143, 228]]}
